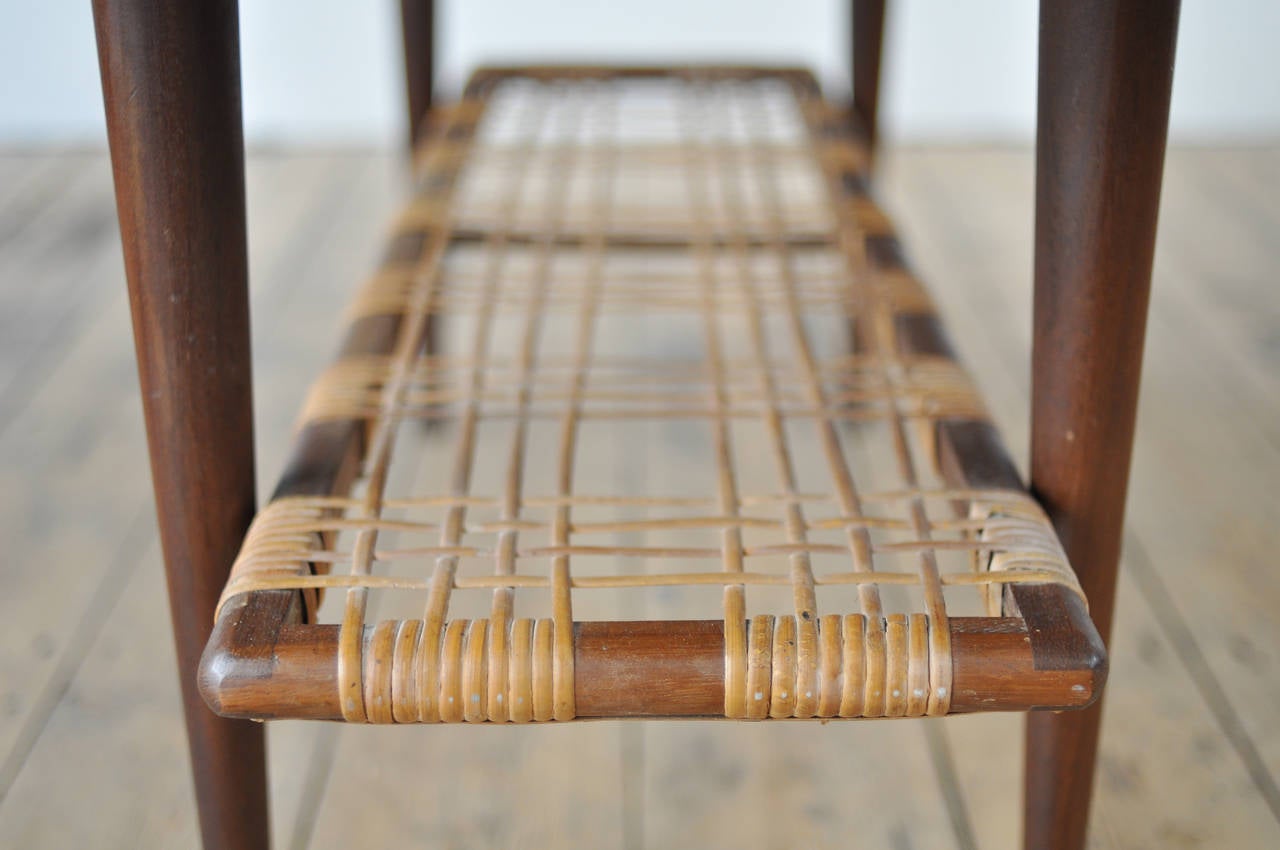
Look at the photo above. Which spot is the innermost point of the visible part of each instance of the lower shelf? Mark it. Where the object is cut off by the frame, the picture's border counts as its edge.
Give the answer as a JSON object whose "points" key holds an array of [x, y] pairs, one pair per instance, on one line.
{"points": [[644, 415]]}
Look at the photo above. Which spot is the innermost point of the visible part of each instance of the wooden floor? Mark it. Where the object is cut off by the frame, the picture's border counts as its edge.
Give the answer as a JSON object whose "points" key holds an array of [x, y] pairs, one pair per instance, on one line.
{"points": [[91, 740]]}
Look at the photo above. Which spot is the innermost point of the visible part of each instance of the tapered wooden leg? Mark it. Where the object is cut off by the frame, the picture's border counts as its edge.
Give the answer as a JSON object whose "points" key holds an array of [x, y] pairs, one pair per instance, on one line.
{"points": [[1106, 67], [418, 28], [171, 82], [417, 19], [867, 20]]}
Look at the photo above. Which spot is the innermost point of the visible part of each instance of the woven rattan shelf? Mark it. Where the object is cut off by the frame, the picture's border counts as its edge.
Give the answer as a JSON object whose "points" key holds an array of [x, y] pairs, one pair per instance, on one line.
{"points": [[600, 266]]}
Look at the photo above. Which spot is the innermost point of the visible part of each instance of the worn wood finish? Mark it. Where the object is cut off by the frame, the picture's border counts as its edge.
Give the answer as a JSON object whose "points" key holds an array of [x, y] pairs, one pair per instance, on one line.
{"points": [[867, 20], [1106, 68], [613, 659], [170, 79]]}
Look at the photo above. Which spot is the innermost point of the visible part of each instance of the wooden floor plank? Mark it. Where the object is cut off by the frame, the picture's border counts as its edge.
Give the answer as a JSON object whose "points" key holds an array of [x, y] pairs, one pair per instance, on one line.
{"points": [[65, 228], [463, 786], [1220, 238], [978, 251], [103, 763], [32, 184], [74, 474], [1203, 424], [78, 464], [110, 769]]}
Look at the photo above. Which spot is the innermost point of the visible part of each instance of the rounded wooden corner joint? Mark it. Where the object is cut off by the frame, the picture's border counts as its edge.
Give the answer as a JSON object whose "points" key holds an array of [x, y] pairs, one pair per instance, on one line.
{"points": [[225, 666], [1065, 643], [1027, 664], [262, 662]]}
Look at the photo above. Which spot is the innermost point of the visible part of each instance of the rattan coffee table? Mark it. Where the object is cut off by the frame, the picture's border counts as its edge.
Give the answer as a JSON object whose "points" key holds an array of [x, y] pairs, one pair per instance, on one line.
{"points": [[599, 266]]}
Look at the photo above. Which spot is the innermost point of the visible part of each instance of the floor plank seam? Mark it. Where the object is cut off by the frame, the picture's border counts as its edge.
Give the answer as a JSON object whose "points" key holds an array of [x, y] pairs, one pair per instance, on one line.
{"points": [[106, 595], [944, 769], [319, 768], [1181, 637]]}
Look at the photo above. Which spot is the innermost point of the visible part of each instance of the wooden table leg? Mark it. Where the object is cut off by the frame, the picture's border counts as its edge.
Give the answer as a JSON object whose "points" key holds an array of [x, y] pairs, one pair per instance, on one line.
{"points": [[417, 19], [171, 82], [418, 26], [867, 20], [1106, 67]]}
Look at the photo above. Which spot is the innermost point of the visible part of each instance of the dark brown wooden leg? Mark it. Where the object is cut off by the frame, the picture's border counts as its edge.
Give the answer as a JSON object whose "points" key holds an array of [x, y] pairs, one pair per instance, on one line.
{"points": [[418, 27], [868, 35], [171, 82], [867, 22], [1106, 67]]}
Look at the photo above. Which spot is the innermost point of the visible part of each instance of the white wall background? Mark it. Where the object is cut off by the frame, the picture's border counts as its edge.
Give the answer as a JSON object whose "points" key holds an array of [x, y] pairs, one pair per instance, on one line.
{"points": [[327, 72]]}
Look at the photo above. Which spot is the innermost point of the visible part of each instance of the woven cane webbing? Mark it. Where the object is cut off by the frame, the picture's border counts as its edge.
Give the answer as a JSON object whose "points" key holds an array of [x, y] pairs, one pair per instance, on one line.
{"points": [[645, 404]]}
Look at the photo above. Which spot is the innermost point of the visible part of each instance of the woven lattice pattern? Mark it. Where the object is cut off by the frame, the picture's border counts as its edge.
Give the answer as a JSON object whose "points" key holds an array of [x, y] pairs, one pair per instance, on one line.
{"points": [[669, 384]]}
